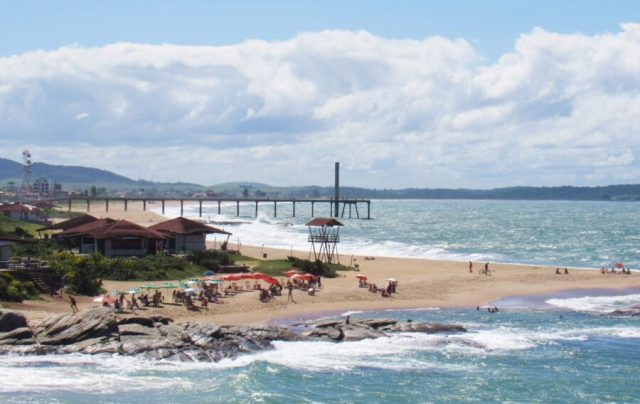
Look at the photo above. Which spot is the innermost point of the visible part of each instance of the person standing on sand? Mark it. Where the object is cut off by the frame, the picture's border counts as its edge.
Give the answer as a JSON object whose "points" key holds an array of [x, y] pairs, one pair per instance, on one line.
{"points": [[290, 296], [486, 268], [470, 267], [74, 305]]}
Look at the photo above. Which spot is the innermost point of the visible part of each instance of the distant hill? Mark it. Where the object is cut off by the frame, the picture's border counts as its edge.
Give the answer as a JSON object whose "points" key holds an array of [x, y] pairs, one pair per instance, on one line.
{"points": [[77, 176]]}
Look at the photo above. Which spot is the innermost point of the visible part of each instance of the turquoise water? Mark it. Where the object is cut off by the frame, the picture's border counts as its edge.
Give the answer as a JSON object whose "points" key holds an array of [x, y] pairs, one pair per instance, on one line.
{"points": [[545, 349], [521, 354], [567, 234]]}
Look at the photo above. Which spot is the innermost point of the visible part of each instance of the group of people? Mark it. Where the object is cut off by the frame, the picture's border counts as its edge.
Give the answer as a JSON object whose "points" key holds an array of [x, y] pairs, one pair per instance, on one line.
{"points": [[484, 271], [623, 271], [384, 292], [490, 309], [558, 272]]}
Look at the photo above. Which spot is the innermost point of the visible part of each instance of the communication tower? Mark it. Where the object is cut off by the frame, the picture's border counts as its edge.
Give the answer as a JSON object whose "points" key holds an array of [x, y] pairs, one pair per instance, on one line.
{"points": [[26, 174]]}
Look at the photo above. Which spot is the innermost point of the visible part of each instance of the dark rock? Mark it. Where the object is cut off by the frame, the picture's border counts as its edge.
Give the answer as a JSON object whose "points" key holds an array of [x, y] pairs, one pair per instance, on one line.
{"points": [[17, 336], [138, 329], [428, 328], [70, 328], [354, 332], [9, 321], [145, 321], [628, 312]]}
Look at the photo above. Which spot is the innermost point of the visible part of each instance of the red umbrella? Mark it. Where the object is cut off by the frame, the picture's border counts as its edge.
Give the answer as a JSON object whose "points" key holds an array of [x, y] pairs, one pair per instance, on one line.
{"points": [[292, 272], [232, 277], [361, 277], [303, 277], [618, 265]]}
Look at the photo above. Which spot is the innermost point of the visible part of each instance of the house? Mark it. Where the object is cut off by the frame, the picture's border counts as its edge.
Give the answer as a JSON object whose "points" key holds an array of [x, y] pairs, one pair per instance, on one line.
{"points": [[70, 223], [113, 238], [18, 211], [186, 235], [6, 241]]}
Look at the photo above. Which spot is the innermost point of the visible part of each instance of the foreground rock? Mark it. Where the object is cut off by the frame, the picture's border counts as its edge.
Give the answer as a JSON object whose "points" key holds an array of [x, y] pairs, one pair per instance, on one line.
{"points": [[100, 331]]}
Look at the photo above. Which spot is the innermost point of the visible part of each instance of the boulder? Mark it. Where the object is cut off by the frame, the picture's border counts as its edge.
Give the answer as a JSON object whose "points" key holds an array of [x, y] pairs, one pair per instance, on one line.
{"points": [[17, 336], [9, 321], [70, 328], [428, 328]]}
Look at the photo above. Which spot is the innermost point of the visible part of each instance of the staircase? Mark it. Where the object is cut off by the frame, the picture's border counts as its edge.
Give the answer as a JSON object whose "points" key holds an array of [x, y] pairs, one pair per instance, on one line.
{"points": [[41, 279]]}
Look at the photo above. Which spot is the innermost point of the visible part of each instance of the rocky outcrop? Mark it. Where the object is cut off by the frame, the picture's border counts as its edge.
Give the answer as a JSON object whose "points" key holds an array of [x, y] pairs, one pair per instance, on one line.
{"points": [[356, 330], [99, 331], [633, 311]]}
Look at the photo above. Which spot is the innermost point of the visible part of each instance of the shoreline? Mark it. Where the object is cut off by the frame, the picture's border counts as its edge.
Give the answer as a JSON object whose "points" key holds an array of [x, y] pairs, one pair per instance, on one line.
{"points": [[423, 283]]}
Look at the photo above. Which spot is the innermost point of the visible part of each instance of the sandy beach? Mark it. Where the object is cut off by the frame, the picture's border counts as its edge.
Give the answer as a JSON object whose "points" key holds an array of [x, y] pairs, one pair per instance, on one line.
{"points": [[422, 284]]}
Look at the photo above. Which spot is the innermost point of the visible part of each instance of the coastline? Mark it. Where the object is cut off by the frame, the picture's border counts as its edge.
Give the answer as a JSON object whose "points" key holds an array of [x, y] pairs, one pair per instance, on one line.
{"points": [[423, 283]]}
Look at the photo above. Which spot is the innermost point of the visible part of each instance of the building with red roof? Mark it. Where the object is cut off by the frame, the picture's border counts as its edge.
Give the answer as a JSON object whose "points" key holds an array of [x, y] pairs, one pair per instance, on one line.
{"points": [[18, 211], [185, 234], [113, 238]]}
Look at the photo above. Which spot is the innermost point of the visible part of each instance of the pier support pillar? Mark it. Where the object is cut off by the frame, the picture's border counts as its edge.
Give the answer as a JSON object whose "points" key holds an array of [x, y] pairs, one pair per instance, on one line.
{"points": [[256, 208], [294, 207], [88, 205], [331, 208], [237, 208], [126, 203], [144, 205], [69, 205], [106, 205], [219, 206], [200, 208], [275, 209], [181, 207], [368, 210], [349, 211], [312, 203], [163, 206]]}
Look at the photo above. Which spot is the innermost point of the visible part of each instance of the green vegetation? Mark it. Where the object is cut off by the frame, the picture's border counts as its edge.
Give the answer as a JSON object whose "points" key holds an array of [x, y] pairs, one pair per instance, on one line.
{"points": [[279, 267], [13, 290], [83, 274], [8, 225]]}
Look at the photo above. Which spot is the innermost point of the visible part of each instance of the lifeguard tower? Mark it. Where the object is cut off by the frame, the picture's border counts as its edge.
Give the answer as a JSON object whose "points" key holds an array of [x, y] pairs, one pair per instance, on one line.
{"points": [[324, 236]]}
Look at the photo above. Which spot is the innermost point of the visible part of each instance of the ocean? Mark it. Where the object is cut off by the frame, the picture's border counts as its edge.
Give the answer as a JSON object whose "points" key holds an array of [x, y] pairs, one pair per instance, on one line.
{"points": [[556, 348], [554, 233]]}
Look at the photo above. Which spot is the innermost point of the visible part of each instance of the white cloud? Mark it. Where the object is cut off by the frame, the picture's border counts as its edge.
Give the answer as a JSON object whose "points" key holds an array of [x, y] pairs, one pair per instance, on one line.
{"points": [[557, 109]]}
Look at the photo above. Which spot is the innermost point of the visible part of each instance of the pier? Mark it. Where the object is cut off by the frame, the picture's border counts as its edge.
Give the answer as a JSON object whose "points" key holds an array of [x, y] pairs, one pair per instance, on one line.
{"points": [[337, 208]]}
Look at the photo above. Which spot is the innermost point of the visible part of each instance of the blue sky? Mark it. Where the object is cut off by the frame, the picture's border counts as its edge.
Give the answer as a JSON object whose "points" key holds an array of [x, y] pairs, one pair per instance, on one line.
{"points": [[404, 93], [491, 25]]}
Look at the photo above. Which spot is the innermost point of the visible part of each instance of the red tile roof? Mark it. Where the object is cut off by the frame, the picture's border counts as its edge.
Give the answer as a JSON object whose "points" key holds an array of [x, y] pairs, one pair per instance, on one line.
{"points": [[108, 228], [71, 223], [184, 226], [324, 221]]}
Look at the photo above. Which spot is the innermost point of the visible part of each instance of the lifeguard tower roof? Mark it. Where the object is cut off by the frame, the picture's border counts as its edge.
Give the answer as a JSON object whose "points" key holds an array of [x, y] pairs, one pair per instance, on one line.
{"points": [[324, 221]]}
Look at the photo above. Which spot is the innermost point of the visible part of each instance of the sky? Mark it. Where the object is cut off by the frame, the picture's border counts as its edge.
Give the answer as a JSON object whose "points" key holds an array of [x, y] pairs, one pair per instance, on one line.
{"points": [[474, 94]]}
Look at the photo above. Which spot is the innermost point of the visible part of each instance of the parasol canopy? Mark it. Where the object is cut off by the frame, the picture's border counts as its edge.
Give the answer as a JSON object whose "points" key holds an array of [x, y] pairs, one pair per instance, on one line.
{"points": [[292, 272], [361, 277], [303, 277], [618, 265]]}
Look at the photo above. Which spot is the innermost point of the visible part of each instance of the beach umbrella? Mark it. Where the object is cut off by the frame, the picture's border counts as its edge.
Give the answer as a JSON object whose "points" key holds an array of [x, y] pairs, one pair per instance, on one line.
{"points": [[292, 272], [232, 277], [213, 282], [169, 286], [618, 265], [148, 287], [361, 277], [303, 277], [190, 291], [208, 273], [133, 291]]}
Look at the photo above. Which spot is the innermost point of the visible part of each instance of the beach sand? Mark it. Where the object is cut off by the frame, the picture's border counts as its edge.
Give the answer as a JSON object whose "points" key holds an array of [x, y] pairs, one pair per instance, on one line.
{"points": [[421, 284]]}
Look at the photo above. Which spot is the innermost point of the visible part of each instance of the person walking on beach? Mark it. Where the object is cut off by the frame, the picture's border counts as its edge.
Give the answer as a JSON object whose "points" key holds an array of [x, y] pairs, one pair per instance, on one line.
{"points": [[486, 269], [74, 305], [470, 267]]}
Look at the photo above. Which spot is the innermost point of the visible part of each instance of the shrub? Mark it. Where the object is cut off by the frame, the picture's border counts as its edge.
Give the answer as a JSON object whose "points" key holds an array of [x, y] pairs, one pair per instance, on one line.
{"points": [[317, 267], [16, 291], [210, 259]]}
